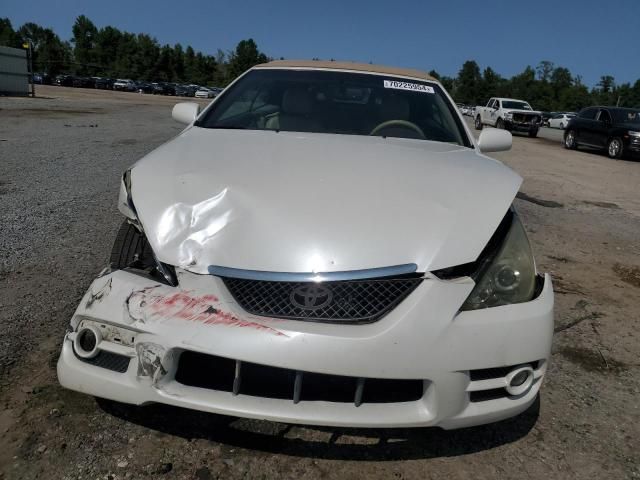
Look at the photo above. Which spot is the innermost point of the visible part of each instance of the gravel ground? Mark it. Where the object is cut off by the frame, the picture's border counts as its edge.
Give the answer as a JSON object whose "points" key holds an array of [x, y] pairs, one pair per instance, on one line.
{"points": [[61, 160]]}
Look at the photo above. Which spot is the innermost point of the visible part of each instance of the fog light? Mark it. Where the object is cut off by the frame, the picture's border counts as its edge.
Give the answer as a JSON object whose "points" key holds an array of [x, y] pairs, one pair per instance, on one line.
{"points": [[519, 380], [86, 342]]}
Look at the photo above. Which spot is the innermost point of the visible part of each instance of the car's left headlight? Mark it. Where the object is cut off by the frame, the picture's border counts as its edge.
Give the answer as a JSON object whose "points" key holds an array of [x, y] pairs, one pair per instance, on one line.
{"points": [[634, 134], [508, 116], [508, 275]]}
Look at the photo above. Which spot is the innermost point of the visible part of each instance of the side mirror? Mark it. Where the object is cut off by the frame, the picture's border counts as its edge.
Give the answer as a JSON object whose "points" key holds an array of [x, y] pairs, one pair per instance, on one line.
{"points": [[494, 140], [185, 112]]}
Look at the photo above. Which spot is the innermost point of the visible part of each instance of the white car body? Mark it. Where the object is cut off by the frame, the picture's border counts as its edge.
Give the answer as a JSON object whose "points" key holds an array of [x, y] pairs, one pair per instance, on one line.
{"points": [[561, 120], [125, 84], [255, 206], [205, 93]]}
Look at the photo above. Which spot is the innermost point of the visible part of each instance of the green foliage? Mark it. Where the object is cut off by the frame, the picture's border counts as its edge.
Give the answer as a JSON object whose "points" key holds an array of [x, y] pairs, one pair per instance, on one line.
{"points": [[245, 56], [547, 87], [84, 40], [8, 36], [468, 86], [49, 52], [113, 53]]}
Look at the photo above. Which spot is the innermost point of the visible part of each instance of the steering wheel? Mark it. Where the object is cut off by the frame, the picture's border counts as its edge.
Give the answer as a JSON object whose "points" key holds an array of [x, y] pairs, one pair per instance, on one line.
{"points": [[399, 123]]}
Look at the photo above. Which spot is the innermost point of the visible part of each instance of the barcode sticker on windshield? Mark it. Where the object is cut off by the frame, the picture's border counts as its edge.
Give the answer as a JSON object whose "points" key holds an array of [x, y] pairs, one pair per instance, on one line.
{"points": [[415, 87]]}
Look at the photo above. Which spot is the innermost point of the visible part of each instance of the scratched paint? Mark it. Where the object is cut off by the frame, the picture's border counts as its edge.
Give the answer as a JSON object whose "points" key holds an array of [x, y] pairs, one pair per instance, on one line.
{"points": [[146, 306], [99, 294]]}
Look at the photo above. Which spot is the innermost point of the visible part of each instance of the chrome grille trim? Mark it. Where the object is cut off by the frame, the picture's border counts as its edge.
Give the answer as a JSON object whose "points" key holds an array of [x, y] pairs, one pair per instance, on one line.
{"points": [[241, 274]]}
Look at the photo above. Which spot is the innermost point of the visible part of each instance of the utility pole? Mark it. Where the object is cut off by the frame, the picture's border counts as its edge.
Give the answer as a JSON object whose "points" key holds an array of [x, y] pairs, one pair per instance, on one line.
{"points": [[27, 45]]}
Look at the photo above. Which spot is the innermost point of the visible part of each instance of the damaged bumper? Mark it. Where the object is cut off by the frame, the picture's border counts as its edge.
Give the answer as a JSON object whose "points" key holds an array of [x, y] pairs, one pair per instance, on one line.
{"points": [[521, 126], [423, 364]]}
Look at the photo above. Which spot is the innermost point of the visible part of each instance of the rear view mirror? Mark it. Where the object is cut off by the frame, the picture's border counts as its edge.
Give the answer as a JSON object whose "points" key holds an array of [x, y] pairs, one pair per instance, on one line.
{"points": [[185, 112], [494, 140]]}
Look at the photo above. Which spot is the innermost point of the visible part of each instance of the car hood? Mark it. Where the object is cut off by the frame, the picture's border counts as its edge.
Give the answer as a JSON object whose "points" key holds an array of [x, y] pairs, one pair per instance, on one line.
{"points": [[298, 202]]}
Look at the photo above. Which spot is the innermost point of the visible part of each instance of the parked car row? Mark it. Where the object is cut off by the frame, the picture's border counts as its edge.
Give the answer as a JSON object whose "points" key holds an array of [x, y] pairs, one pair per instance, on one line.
{"points": [[615, 130], [128, 85], [467, 110]]}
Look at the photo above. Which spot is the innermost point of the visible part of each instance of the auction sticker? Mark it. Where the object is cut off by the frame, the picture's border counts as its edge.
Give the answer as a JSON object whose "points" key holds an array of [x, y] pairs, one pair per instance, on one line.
{"points": [[414, 87]]}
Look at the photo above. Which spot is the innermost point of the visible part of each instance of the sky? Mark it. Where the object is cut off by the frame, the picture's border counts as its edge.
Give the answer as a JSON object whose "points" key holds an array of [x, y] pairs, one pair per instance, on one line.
{"points": [[590, 37]]}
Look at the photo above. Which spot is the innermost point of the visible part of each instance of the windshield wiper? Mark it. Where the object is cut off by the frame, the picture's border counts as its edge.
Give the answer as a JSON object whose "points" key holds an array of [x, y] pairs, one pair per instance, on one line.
{"points": [[230, 127]]}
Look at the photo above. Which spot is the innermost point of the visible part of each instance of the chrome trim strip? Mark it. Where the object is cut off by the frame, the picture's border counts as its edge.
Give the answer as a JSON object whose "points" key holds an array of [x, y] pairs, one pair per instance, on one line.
{"points": [[311, 276]]}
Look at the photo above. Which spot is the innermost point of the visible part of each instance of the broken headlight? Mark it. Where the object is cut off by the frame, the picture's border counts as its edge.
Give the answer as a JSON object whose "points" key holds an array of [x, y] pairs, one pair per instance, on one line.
{"points": [[166, 272], [507, 274]]}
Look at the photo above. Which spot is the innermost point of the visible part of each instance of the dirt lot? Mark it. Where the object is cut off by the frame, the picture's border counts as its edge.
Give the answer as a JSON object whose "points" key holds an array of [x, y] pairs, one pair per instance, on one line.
{"points": [[61, 159]]}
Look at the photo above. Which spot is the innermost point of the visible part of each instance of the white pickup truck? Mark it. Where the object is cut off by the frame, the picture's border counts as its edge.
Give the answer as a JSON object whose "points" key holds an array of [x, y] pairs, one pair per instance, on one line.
{"points": [[510, 114]]}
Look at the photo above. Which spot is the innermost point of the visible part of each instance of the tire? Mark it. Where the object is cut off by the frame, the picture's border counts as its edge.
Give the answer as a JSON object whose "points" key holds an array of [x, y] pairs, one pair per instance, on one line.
{"points": [[533, 133], [615, 148], [500, 124], [478, 123], [570, 140], [562, 126], [130, 245]]}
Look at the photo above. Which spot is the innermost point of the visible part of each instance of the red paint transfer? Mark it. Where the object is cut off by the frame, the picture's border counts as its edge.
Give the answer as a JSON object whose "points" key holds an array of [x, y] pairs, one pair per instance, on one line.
{"points": [[202, 309]]}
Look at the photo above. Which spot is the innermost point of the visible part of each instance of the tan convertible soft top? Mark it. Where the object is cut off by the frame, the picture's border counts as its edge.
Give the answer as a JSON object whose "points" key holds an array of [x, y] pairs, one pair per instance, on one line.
{"points": [[361, 67]]}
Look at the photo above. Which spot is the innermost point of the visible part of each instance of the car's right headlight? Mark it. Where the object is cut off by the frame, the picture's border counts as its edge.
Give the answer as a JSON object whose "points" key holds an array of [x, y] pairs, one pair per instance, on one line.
{"points": [[508, 274], [129, 210]]}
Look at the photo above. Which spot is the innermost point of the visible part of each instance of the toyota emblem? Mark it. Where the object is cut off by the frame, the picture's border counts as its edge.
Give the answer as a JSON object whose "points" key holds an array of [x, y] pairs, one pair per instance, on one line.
{"points": [[311, 296]]}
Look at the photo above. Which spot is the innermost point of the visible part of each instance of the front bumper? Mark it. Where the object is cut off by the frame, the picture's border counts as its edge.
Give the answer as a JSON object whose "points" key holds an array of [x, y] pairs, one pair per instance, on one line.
{"points": [[516, 126], [633, 144], [425, 337]]}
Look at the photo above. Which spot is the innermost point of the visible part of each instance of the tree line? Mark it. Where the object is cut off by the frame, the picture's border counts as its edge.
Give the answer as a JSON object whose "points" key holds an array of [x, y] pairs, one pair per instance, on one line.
{"points": [[110, 52], [548, 87], [113, 53]]}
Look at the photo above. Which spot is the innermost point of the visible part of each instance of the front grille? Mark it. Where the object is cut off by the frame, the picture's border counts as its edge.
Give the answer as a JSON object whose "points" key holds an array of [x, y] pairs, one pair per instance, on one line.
{"points": [[350, 301], [227, 375], [526, 118]]}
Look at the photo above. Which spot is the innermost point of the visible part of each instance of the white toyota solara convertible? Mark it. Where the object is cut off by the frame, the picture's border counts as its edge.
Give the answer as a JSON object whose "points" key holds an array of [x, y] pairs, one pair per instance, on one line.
{"points": [[323, 244]]}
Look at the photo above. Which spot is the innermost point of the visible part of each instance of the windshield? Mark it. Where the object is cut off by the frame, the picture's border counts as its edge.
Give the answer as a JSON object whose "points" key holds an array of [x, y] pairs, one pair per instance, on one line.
{"points": [[339, 103], [627, 116], [515, 105]]}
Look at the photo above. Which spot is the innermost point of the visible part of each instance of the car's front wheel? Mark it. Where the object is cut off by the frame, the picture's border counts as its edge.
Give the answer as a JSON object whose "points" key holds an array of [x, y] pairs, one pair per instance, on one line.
{"points": [[478, 123], [533, 133], [500, 124], [615, 149], [570, 140]]}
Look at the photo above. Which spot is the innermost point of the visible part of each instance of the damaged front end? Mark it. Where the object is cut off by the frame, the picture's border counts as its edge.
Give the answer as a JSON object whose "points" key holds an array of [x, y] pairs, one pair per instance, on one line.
{"points": [[372, 341]]}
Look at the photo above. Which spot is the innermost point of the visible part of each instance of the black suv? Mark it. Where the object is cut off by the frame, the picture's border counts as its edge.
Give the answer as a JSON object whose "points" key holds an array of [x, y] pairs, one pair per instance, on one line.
{"points": [[614, 129]]}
